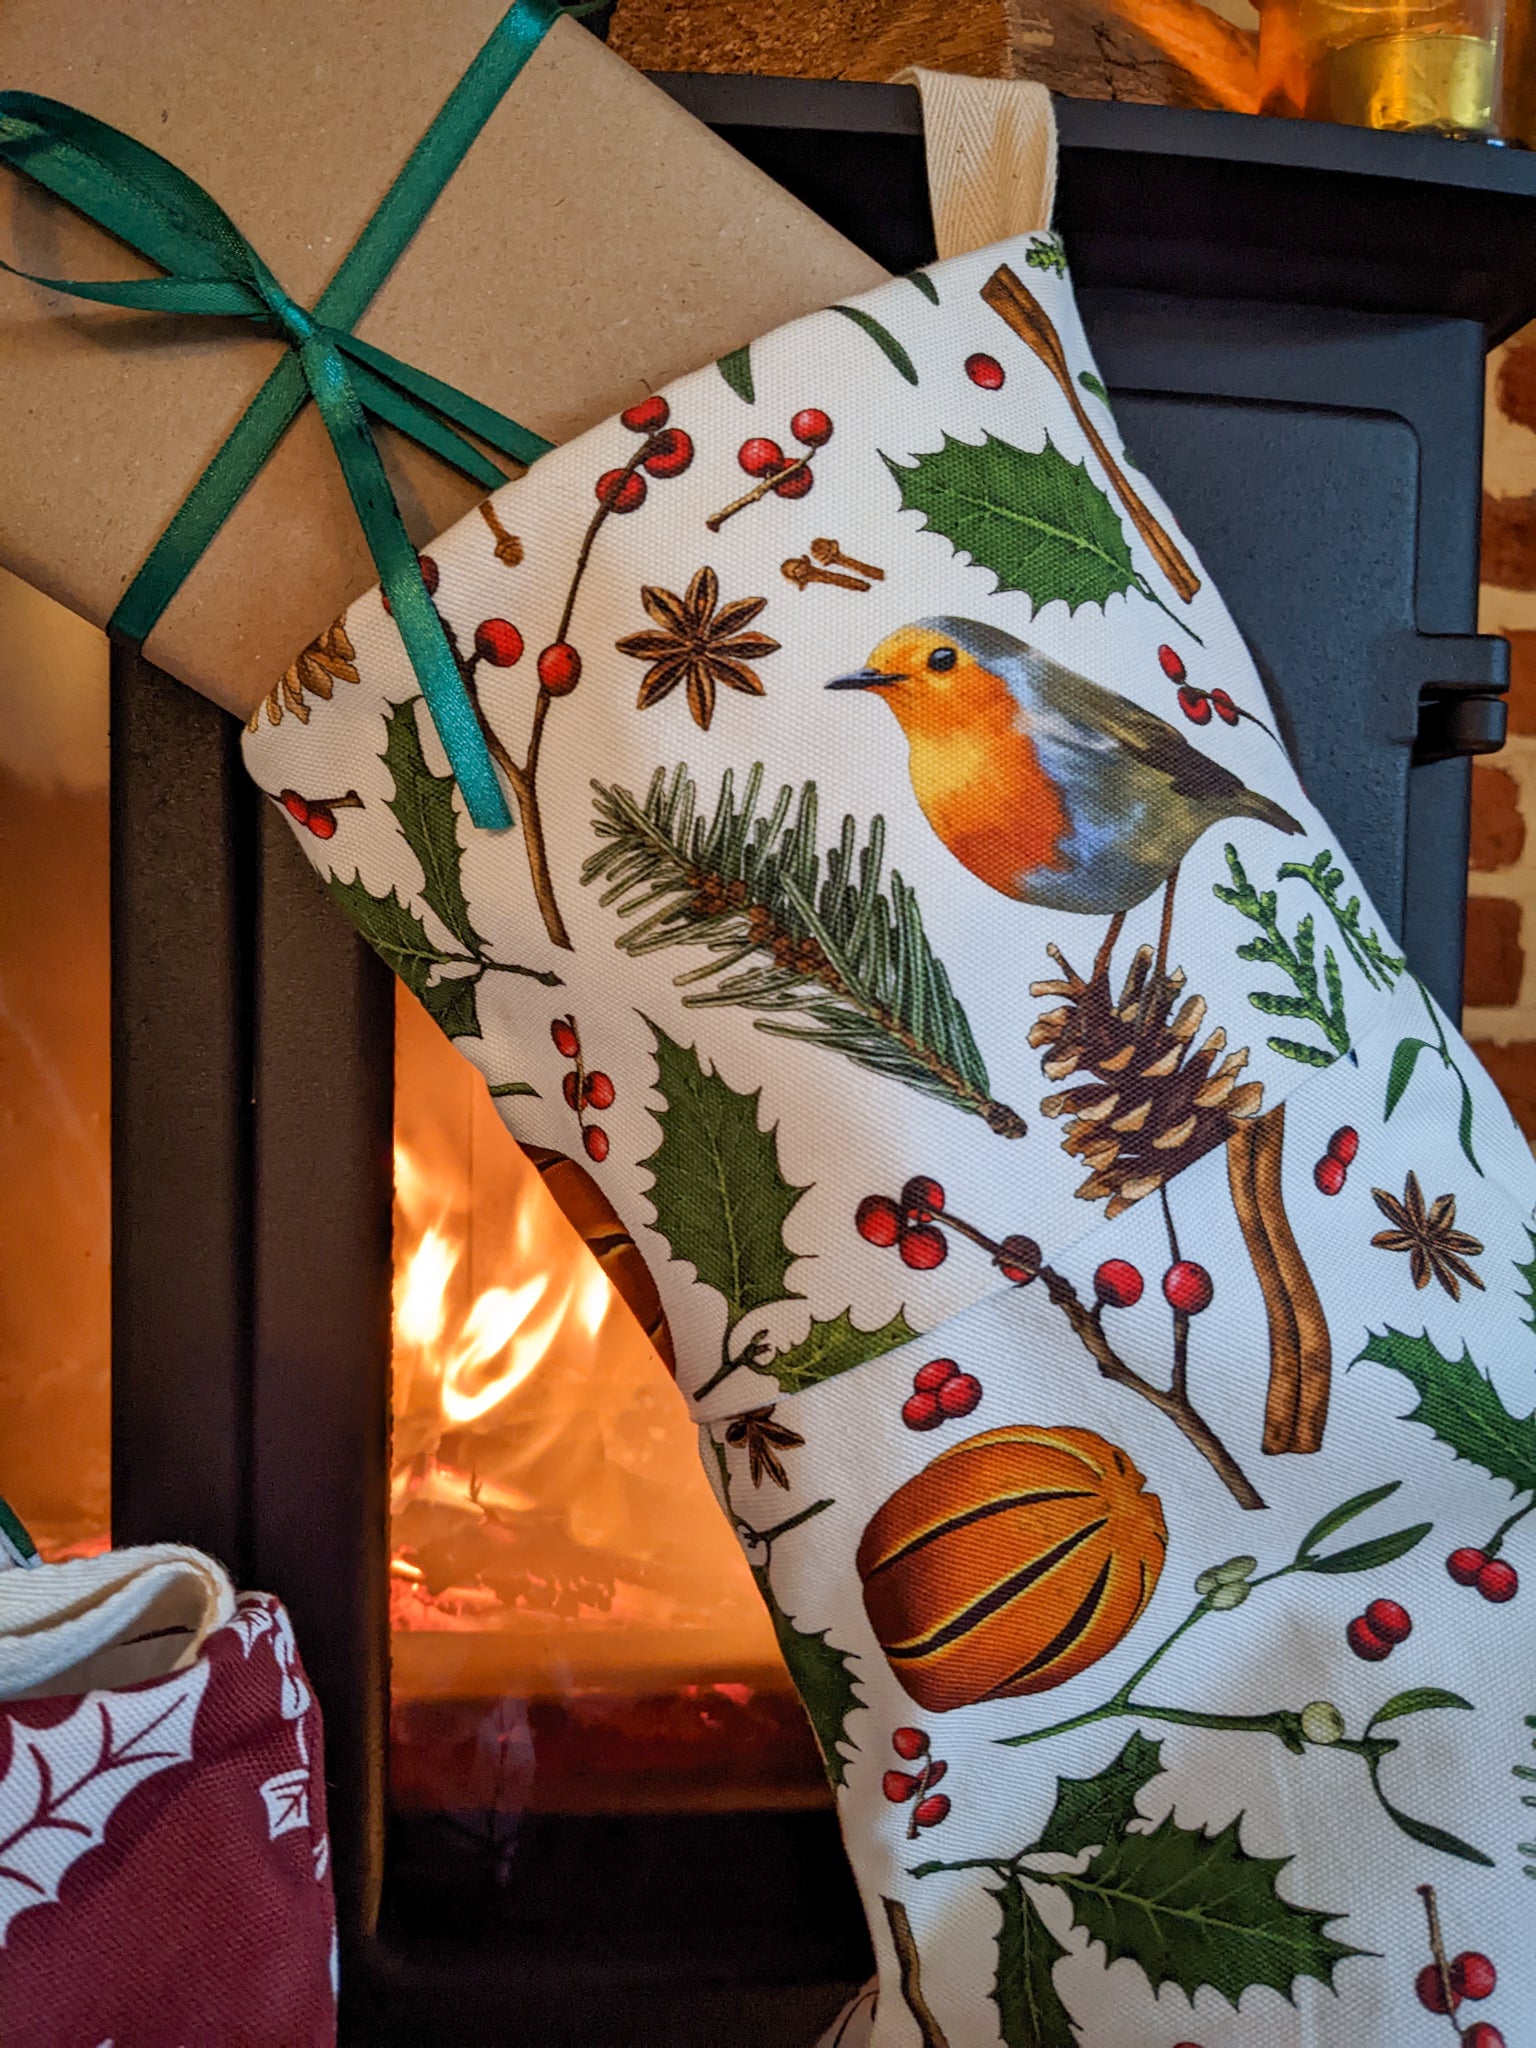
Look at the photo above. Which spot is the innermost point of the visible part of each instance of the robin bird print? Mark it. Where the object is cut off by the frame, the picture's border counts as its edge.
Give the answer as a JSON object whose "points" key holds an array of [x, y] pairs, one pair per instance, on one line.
{"points": [[1046, 786]]}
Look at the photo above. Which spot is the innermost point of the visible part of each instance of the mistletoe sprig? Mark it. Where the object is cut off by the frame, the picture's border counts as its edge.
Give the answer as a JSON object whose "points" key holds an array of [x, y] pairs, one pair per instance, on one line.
{"points": [[818, 945], [1296, 959], [1405, 1059], [1301, 1730]]}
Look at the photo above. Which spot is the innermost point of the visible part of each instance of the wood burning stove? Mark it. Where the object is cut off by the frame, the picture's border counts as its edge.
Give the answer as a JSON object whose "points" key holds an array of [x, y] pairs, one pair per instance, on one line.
{"points": [[1293, 320]]}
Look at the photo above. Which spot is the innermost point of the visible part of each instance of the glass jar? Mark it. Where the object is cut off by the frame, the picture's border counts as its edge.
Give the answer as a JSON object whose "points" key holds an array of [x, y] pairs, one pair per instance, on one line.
{"points": [[1426, 66]]}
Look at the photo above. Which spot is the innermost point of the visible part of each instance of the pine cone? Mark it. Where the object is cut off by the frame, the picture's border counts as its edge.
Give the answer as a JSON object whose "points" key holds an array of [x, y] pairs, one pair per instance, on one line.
{"points": [[323, 664], [1155, 1106]]}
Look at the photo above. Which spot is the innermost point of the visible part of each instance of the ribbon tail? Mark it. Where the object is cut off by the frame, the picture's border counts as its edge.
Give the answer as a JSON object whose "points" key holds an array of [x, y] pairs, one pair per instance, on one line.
{"points": [[211, 500], [437, 669], [490, 426], [400, 411]]}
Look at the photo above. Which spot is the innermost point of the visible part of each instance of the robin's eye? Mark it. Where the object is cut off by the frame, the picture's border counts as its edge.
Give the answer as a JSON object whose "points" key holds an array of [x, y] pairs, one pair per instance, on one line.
{"points": [[942, 659]]}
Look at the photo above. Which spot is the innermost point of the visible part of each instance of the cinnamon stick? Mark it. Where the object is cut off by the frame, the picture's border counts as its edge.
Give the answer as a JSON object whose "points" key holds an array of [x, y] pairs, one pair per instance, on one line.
{"points": [[1016, 305], [1300, 1351]]}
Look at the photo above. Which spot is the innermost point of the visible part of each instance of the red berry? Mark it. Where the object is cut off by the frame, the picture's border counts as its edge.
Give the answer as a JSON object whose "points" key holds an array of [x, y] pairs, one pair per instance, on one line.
{"points": [[1018, 1259], [795, 485], [1188, 1288], [1194, 704], [499, 642], [563, 1032], [910, 1743], [1118, 1284], [569, 1089], [596, 1142], [929, 1812], [812, 427], [936, 1770], [760, 457], [1171, 663], [322, 822], [877, 1220], [646, 416], [959, 1395], [922, 1196], [1465, 1565], [429, 573], [921, 1411], [1223, 706], [930, 1377], [1388, 1620], [560, 668], [294, 805], [1365, 1642], [898, 1786], [1473, 1975], [1497, 1581], [621, 492], [923, 1248], [1481, 2035], [598, 1093], [1344, 1144], [669, 454], [1431, 1989], [1329, 1175], [986, 372]]}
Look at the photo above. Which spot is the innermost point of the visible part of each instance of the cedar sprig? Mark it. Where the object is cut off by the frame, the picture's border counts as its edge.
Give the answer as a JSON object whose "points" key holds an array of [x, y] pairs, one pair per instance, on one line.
{"points": [[1364, 945], [810, 941], [1297, 960]]}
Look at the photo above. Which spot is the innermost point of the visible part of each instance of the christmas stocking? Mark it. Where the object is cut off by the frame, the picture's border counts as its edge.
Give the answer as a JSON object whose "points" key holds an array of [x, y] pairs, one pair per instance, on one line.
{"points": [[1102, 1276]]}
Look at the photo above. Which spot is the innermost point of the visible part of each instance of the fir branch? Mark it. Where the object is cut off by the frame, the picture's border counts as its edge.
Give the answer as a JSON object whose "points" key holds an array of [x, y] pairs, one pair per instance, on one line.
{"points": [[810, 941], [1297, 960], [1364, 945]]}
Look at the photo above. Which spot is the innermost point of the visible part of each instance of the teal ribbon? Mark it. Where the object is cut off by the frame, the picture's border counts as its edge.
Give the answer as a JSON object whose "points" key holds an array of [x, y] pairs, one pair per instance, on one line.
{"points": [[211, 271]]}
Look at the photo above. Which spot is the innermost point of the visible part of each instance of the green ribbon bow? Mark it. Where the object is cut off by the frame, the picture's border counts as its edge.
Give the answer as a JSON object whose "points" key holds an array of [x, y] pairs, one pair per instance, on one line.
{"points": [[213, 272]]}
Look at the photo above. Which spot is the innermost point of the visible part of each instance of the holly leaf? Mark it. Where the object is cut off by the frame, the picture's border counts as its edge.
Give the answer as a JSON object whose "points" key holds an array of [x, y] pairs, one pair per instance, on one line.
{"points": [[1527, 1271], [1196, 1909], [720, 1199], [1030, 2013], [450, 1003], [1461, 1407], [736, 369], [424, 807], [829, 1348], [883, 339], [823, 1676], [393, 930], [1092, 1811], [1037, 521]]}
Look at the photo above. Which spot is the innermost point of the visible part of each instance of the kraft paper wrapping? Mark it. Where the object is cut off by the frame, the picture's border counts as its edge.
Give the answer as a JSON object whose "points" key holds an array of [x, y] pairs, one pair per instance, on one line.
{"points": [[597, 242]]}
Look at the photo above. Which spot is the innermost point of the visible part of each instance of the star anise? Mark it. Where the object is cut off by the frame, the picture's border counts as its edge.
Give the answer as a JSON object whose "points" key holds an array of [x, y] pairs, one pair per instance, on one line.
{"points": [[764, 1439], [325, 662], [1436, 1249], [698, 645]]}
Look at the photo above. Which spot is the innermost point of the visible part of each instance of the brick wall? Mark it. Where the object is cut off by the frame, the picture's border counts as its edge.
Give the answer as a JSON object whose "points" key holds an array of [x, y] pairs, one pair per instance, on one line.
{"points": [[1501, 909]]}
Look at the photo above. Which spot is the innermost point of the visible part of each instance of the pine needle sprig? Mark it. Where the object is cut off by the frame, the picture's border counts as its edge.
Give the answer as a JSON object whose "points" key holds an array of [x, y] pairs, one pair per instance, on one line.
{"points": [[1297, 960], [1364, 944], [822, 946]]}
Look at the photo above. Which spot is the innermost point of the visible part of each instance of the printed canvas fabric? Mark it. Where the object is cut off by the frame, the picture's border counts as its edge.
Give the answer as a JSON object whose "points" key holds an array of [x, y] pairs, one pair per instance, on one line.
{"points": [[1103, 1277], [164, 1861]]}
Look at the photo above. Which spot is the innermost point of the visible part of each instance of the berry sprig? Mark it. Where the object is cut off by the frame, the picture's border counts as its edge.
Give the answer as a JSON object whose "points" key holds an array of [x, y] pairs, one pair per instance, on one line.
{"points": [[583, 1090], [1443, 1984], [928, 1807], [915, 1224], [1482, 1566], [787, 476], [1198, 704], [317, 814], [664, 451], [1332, 1170], [1375, 1634], [941, 1392]]}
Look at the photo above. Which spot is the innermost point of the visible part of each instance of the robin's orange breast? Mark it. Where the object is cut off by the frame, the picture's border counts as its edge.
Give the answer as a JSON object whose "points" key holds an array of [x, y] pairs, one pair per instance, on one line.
{"points": [[985, 794]]}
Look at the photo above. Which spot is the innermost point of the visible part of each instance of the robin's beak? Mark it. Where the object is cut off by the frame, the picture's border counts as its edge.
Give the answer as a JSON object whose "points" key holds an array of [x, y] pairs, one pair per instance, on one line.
{"points": [[864, 679]]}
